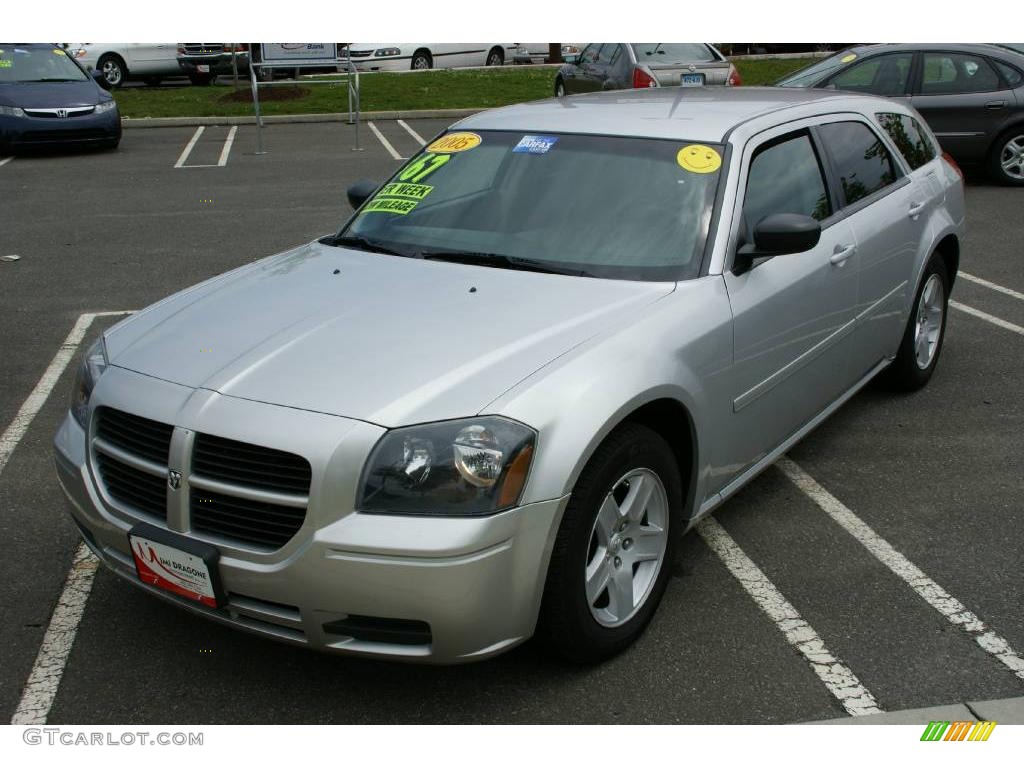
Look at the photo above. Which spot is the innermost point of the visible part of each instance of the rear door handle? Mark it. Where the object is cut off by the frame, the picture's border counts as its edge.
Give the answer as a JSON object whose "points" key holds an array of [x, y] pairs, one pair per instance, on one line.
{"points": [[841, 254], [995, 105], [915, 210]]}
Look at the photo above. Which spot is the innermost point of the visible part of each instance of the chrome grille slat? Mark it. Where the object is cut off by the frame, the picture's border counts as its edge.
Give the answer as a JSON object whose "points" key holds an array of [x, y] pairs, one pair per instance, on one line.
{"points": [[130, 486], [131, 460], [135, 434], [136, 462]]}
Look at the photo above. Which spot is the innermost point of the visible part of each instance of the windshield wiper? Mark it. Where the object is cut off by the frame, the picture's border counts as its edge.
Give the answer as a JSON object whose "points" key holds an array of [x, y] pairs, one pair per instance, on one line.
{"points": [[502, 262], [365, 244]]}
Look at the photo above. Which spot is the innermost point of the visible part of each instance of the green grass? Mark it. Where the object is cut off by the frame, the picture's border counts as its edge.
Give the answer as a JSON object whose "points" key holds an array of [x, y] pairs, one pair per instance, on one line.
{"points": [[390, 91]]}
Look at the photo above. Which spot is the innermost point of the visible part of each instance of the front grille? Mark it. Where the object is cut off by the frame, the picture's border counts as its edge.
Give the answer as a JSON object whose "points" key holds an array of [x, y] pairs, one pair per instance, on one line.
{"points": [[230, 461], [245, 520], [134, 434], [132, 486], [193, 49]]}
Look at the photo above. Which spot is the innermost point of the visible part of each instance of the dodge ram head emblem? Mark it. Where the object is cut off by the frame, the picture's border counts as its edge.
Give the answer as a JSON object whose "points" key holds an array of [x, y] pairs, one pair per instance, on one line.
{"points": [[174, 479]]}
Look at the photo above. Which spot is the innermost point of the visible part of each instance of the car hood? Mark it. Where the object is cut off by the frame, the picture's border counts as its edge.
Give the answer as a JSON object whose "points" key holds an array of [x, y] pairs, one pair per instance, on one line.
{"points": [[384, 339], [42, 95]]}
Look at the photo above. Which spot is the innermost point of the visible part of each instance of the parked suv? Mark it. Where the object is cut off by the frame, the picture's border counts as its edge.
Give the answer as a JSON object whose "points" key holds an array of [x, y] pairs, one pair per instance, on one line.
{"points": [[202, 62]]}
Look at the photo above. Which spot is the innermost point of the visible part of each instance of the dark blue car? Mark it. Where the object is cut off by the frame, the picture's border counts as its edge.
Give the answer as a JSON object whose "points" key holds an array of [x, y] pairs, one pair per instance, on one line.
{"points": [[46, 99]]}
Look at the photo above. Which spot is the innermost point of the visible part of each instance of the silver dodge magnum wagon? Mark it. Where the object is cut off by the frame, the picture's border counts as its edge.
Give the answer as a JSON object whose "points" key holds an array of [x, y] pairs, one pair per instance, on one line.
{"points": [[489, 406]]}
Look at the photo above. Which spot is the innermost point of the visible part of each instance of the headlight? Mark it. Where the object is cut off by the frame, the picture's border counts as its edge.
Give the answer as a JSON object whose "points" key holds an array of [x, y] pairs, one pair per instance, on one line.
{"points": [[105, 106], [388, 52], [12, 111], [466, 467], [94, 362]]}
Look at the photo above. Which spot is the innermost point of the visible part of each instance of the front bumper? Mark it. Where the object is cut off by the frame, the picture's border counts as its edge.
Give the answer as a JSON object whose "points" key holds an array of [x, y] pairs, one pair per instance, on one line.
{"points": [[475, 582], [219, 64], [24, 132]]}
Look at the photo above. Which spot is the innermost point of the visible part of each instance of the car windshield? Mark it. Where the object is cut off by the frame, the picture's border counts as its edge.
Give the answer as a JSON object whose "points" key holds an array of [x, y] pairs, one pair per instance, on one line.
{"points": [[624, 208], [814, 73], [672, 53], [19, 64]]}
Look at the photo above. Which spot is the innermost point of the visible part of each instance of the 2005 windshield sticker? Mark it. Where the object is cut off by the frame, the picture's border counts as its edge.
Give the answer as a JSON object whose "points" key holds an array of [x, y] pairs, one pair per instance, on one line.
{"points": [[696, 158]]}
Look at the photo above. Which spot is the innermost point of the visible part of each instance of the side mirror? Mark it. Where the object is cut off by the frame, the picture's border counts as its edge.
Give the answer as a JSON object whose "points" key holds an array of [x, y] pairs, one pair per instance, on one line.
{"points": [[101, 81], [360, 192], [777, 235]]}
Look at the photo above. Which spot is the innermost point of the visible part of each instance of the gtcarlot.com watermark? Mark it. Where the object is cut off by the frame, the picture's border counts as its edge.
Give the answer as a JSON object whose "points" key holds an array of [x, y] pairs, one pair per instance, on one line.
{"points": [[73, 737]]}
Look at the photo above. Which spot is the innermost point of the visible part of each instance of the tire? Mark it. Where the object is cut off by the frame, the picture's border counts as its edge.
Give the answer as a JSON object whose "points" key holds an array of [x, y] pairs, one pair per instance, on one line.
{"points": [[153, 81], [588, 626], [559, 88], [200, 78], [1006, 160], [422, 60], [926, 329], [495, 57], [113, 68]]}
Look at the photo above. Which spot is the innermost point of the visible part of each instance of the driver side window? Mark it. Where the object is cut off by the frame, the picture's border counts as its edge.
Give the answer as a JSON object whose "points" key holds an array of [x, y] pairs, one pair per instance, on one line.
{"points": [[785, 176]]}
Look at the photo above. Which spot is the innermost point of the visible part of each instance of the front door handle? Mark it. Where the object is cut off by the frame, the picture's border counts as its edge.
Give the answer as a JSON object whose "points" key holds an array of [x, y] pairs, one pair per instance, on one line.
{"points": [[841, 254], [995, 105], [915, 210]]}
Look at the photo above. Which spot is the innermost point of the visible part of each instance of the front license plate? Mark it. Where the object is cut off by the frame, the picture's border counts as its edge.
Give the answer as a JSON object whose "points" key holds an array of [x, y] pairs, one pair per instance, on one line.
{"points": [[175, 564], [691, 80], [202, 68]]}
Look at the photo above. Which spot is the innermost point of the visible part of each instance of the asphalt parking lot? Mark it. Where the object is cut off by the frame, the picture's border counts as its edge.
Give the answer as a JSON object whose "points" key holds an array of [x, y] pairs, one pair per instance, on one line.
{"points": [[936, 475]]}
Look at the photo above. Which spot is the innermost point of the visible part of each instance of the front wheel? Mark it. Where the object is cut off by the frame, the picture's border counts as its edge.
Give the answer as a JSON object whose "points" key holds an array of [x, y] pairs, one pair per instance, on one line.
{"points": [[113, 69], [421, 60], [496, 57], [613, 552], [926, 328], [1006, 163], [559, 88]]}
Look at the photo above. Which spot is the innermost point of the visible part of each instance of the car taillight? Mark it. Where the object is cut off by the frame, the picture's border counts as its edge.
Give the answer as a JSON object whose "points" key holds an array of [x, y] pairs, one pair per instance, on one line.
{"points": [[952, 164], [236, 48], [643, 80], [734, 76]]}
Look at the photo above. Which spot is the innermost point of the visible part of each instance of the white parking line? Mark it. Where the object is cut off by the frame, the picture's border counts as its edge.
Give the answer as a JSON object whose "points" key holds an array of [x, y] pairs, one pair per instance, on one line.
{"points": [[385, 142], [227, 146], [987, 317], [930, 591], [992, 286], [5, 161], [188, 147], [837, 677], [23, 418], [411, 132]]}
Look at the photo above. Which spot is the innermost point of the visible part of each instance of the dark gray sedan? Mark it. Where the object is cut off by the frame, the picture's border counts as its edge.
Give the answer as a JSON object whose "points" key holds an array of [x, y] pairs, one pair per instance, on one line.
{"points": [[614, 66], [971, 95]]}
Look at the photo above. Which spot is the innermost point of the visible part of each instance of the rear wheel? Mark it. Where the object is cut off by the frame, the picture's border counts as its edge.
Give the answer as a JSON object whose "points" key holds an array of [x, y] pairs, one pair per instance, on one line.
{"points": [[422, 60], [113, 68], [496, 57], [559, 88], [1006, 161], [613, 552], [922, 340]]}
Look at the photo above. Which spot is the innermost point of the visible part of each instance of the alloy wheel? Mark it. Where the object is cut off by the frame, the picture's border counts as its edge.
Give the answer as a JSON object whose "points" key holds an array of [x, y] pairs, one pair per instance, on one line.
{"points": [[112, 72], [1012, 158], [928, 324]]}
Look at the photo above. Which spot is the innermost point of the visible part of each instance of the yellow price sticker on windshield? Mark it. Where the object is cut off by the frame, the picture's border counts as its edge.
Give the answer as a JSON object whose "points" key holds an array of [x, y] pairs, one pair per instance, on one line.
{"points": [[6, 63], [696, 158], [848, 58], [455, 142]]}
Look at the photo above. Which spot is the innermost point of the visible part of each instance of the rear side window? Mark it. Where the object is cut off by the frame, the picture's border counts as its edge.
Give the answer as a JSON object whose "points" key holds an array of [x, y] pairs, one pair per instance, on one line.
{"points": [[957, 73], [862, 162], [1011, 75], [785, 177], [909, 137], [885, 75]]}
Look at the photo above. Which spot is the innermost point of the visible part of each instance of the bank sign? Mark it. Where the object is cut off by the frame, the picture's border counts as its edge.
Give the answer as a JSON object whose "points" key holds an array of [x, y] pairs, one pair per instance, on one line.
{"points": [[299, 53]]}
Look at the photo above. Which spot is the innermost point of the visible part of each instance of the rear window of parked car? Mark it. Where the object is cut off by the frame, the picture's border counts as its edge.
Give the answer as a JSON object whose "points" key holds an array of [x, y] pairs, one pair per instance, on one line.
{"points": [[861, 161], [785, 177], [672, 53], [909, 137], [957, 73]]}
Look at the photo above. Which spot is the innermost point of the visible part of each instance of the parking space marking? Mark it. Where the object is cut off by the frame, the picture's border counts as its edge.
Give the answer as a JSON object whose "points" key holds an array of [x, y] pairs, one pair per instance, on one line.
{"points": [[34, 402], [989, 285], [895, 561], [44, 679], [223, 160], [385, 142], [4, 161], [411, 132], [188, 147], [837, 677], [987, 317]]}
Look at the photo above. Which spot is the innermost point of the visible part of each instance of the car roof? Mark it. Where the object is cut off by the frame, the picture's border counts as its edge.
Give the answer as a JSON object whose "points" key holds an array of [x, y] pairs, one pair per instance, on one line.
{"points": [[987, 49], [699, 114]]}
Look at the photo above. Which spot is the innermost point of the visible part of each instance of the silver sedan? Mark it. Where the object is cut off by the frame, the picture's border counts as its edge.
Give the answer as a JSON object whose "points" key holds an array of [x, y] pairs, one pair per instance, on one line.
{"points": [[489, 406]]}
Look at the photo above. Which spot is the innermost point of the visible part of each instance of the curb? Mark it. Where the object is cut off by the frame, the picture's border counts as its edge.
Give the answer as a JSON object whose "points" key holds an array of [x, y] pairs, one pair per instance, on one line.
{"points": [[325, 117], [1002, 711]]}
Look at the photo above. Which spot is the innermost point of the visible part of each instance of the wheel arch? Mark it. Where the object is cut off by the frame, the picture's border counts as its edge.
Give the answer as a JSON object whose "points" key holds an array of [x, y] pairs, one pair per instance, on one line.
{"points": [[948, 248]]}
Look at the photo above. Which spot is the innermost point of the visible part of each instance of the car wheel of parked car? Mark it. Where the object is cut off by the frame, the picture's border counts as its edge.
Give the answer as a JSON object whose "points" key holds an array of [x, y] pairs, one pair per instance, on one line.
{"points": [[559, 88], [613, 553], [113, 69], [1007, 159], [922, 341], [496, 57], [422, 60], [200, 78]]}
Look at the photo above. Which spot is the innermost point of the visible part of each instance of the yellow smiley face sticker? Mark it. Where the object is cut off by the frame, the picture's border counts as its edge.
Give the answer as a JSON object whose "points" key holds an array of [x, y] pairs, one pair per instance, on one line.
{"points": [[848, 58], [58, 52], [455, 142], [696, 158]]}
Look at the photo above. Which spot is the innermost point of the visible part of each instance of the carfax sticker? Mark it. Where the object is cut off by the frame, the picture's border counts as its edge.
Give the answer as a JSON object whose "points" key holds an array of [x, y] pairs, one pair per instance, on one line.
{"points": [[456, 142], [390, 205], [535, 145], [696, 158]]}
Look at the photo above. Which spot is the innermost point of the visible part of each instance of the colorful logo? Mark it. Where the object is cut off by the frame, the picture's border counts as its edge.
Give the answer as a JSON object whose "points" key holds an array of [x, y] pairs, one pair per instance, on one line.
{"points": [[958, 730]]}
